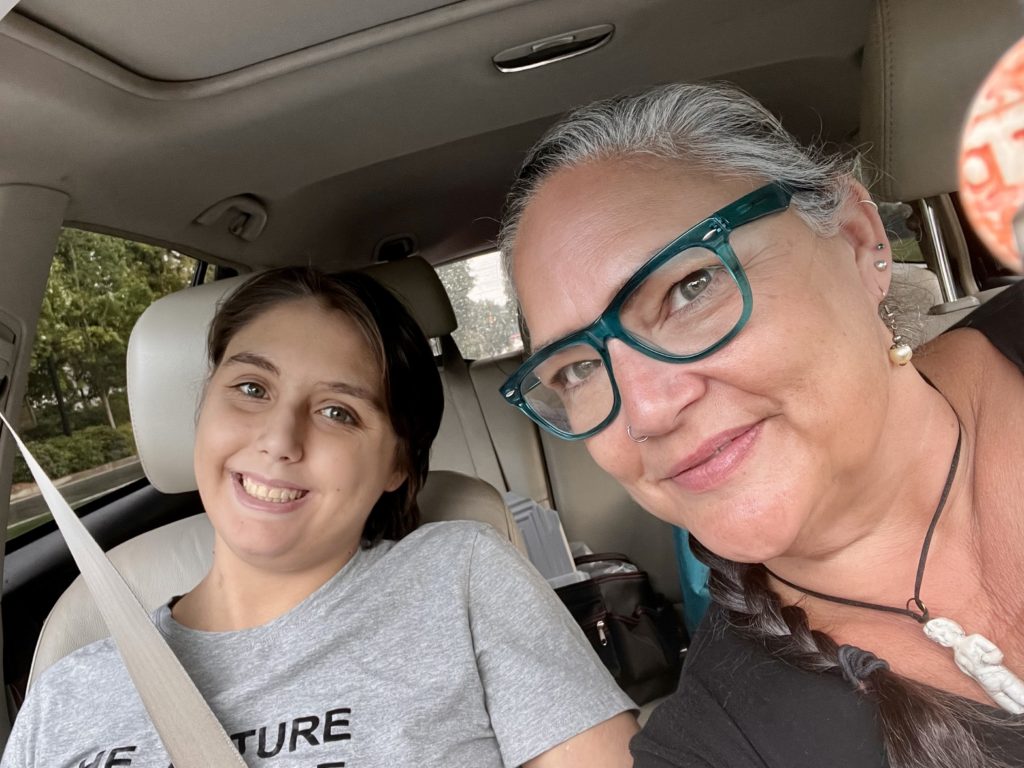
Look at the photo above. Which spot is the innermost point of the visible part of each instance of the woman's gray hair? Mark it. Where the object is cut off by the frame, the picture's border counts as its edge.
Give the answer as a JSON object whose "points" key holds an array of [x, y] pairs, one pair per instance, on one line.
{"points": [[712, 128]]}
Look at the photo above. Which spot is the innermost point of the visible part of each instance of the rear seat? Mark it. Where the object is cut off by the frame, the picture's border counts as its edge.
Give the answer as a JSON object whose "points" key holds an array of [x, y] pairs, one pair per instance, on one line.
{"points": [[594, 508], [522, 468]]}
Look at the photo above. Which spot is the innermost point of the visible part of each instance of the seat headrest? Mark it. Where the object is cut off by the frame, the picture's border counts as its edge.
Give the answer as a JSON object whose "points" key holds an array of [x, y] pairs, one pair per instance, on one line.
{"points": [[167, 362], [417, 285], [166, 372], [923, 62]]}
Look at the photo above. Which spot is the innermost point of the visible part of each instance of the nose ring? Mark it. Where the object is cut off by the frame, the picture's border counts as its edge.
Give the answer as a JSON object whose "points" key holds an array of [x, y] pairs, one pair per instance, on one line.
{"points": [[634, 438]]}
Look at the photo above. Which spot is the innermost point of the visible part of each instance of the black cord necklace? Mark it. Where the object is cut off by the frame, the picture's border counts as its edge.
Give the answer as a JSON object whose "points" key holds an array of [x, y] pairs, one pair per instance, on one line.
{"points": [[920, 615], [975, 655]]}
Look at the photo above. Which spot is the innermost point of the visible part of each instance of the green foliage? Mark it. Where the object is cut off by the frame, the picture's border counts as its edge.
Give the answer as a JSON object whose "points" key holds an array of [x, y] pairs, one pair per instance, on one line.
{"points": [[87, 448], [128, 436], [48, 420], [98, 287]]}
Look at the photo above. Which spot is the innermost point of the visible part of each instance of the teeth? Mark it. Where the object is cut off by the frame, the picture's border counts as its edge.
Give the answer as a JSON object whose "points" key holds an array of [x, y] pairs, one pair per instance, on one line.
{"points": [[268, 493]]}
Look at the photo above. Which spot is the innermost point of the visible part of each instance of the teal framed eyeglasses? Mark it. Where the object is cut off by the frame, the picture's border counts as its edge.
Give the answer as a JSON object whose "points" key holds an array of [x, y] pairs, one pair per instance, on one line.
{"points": [[686, 302]]}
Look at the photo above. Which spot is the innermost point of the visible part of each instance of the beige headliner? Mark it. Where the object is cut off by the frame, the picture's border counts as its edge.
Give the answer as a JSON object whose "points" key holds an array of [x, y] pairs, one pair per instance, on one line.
{"points": [[403, 127]]}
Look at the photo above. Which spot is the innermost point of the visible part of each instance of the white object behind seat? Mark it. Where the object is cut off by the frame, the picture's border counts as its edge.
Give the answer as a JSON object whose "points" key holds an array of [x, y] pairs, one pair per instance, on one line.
{"points": [[172, 559], [917, 290]]}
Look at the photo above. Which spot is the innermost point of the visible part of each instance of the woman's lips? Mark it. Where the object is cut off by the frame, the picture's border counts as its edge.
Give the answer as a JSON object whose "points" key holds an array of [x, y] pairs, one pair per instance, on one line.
{"points": [[711, 465]]}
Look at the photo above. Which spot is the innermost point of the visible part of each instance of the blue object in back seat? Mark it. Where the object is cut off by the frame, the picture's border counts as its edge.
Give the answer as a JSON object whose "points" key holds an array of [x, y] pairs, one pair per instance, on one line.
{"points": [[693, 578]]}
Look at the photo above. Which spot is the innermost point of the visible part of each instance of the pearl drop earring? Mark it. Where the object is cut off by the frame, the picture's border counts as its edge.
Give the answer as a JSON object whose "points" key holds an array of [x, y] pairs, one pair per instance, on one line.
{"points": [[900, 352]]}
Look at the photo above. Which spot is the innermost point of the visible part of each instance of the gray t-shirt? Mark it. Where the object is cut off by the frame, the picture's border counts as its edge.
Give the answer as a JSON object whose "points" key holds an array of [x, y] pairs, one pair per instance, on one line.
{"points": [[443, 649]]}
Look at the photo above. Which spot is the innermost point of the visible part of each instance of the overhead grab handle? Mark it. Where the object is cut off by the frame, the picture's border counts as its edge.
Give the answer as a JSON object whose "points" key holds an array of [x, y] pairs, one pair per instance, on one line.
{"points": [[555, 48], [248, 216]]}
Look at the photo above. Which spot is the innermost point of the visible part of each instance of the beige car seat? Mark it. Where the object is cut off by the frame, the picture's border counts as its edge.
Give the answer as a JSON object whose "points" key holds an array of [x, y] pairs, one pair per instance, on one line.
{"points": [[923, 63]]}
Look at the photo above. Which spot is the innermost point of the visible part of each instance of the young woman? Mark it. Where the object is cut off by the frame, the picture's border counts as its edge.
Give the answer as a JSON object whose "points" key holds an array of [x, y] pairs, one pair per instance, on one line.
{"points": [[331, 629], [709, 306]]}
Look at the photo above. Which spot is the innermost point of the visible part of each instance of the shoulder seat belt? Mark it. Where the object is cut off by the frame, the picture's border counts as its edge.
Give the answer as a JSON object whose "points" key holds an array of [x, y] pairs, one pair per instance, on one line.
{"points": [[191, 733]]}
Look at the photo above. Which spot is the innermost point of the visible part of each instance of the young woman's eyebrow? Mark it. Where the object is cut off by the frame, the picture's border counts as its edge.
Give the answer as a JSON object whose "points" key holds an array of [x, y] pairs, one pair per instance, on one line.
{"points": [[354, 390], [251, 358]]}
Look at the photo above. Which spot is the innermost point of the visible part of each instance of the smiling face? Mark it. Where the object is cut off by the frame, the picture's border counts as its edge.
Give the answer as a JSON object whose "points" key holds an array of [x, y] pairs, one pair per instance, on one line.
{"points": [[751, 447], [293, 446]]}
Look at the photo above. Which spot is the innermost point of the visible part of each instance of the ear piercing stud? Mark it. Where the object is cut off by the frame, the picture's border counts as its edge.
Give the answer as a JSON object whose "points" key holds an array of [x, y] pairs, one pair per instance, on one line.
{"points": [[881, 264]]}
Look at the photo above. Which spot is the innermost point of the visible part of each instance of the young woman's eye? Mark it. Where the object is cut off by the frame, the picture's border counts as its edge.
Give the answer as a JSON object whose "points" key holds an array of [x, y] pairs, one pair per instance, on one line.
{"points": [[251, 389], [338, 414]]}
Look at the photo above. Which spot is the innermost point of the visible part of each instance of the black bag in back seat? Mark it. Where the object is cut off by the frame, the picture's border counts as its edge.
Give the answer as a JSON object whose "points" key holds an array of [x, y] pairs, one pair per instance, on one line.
{"points": [[634, 629]]}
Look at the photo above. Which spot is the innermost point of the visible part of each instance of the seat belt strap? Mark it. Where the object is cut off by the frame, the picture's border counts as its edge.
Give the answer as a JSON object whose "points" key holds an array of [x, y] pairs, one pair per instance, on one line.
{"points": [[6, 6], [481, 447], [190, 732]]}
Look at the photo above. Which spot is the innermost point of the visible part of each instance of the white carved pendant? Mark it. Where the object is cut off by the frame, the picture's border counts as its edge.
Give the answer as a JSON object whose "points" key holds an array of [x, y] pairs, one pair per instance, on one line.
{"points": [[979, 658]]}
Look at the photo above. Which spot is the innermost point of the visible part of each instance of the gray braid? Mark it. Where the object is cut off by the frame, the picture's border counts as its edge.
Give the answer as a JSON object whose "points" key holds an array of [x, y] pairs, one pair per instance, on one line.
{"points": [[922, 727]]}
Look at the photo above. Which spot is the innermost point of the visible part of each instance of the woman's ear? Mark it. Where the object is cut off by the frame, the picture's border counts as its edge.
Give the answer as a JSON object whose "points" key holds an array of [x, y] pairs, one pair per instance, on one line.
{"points": [[398, 476], [863, 230]]}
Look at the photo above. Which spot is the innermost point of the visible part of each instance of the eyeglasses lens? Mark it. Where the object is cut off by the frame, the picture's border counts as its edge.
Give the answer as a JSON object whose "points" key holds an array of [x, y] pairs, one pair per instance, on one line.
{"points": [[570, 390], [686, 306]]}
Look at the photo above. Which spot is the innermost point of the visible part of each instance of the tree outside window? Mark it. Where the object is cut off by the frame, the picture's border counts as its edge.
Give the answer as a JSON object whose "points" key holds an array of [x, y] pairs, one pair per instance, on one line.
{"points": [[486, 313], [75, 416]]}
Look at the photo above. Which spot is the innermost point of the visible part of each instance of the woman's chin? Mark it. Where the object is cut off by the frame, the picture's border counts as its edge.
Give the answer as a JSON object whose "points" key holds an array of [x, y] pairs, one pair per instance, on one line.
{"points": [[746, 533], [742, 548], [259, 546]]}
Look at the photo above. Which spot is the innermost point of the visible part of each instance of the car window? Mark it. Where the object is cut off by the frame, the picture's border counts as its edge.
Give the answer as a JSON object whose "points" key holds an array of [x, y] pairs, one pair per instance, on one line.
{"points": [[903, 228], [483, 304], [75, 417]]}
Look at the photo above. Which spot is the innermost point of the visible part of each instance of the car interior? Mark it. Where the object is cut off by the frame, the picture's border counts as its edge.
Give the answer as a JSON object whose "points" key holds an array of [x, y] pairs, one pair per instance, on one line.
{"points": [[384, 137]]}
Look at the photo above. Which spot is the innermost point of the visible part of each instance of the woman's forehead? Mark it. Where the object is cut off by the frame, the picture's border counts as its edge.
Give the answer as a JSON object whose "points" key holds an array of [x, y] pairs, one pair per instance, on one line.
{"points": [[588, 229], [303, 331], [620, 208]]}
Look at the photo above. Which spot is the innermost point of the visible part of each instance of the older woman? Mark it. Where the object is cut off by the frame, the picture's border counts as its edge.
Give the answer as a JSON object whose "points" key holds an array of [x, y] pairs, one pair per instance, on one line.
{"points": [[708, 306]]}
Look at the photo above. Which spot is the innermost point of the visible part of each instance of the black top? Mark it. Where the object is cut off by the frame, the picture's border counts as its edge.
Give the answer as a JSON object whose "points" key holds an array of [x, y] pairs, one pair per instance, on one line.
{"points": [[737, 706], [1001, 319]]}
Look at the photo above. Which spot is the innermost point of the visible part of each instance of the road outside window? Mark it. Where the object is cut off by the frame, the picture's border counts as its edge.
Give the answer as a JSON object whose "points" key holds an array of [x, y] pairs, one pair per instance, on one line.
{"points": [[75, 417], [483, 304]]}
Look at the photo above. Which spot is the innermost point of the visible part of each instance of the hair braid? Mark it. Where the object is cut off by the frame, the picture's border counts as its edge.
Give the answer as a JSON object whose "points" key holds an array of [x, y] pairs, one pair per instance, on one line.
{"points": [[922, 727]]}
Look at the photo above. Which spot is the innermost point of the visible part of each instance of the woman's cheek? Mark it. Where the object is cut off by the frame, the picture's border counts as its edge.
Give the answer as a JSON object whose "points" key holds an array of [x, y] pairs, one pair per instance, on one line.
{"points": [[615, 457]]}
